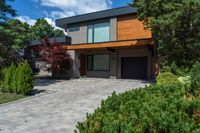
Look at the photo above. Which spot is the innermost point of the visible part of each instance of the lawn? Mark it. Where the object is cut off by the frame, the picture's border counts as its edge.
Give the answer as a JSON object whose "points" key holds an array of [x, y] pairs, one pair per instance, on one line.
{"points": [[6, 97]]}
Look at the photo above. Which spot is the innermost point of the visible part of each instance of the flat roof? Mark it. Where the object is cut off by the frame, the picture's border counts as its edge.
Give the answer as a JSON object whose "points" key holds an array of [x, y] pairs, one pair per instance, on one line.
{"points": [[95, 15]]}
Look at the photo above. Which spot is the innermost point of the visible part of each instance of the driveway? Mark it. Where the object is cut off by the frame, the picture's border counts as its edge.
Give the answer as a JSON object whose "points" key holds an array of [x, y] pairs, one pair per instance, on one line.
{"points": [[60, 106]]}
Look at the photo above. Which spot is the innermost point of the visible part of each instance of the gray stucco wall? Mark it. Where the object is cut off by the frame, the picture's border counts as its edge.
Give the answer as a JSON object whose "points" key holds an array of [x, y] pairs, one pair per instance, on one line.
{"points": [[113, 29], [80, 37], [77, 65], [137, 52], [71, 72]]}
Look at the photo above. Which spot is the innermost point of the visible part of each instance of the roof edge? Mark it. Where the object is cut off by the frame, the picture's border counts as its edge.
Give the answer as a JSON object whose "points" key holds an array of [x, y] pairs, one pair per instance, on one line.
{"points": [[92, 12], [96, 15]]}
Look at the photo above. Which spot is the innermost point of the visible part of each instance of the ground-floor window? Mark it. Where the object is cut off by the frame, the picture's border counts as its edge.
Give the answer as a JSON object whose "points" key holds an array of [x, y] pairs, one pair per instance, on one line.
{"points": [[98, 62]]}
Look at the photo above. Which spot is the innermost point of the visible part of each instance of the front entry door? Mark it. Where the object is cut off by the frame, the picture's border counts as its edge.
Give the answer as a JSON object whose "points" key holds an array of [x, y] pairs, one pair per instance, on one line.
{"points": [[82, 65]]}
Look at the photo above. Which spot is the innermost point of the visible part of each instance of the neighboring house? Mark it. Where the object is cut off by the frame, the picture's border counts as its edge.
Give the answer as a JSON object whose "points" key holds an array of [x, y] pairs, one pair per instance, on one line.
{"points": [[109, 44]]}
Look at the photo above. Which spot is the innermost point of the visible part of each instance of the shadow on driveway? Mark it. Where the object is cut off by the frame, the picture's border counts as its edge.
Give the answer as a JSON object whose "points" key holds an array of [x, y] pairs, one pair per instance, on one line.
{"points": [[37, 91], [45, 82]]}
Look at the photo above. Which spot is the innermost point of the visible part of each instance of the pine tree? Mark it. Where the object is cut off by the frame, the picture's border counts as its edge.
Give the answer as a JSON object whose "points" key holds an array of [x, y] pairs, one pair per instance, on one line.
{"points": [[6, 9]]}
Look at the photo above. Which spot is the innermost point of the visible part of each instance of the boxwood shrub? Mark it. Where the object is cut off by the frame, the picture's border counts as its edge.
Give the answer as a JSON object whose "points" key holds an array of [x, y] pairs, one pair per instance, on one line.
{"points": [[153, 109]]}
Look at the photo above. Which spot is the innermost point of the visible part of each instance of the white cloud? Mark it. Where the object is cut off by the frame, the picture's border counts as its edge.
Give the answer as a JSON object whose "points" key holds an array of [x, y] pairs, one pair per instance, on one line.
{"points": [[52, 23], [31, 21], [66, 8], [26, 19], [60, 14]]}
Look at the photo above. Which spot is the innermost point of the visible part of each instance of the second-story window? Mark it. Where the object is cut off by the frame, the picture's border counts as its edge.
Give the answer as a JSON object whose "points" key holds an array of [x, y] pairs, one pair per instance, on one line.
{"points": [[73, 29], [99, 32]]}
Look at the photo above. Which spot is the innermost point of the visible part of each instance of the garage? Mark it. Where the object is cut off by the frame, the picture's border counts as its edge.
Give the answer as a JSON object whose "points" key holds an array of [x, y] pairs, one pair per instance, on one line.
{"points": [[134, 67]]}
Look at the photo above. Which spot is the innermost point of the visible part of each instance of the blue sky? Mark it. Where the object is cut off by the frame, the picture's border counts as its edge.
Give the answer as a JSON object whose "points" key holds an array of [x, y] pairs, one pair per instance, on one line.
{"points": [[30, 10]]}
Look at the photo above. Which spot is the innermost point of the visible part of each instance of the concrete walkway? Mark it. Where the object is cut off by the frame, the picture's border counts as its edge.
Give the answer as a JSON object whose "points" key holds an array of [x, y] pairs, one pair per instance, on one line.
{"points": [[60, 106]]}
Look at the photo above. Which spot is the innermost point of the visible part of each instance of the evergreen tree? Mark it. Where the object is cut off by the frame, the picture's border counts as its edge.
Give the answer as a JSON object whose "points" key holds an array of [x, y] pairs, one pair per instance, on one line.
{"points": [[14, 36], [15, 80], [8, 79], [42, 28], [25, 79], [6, 10]]}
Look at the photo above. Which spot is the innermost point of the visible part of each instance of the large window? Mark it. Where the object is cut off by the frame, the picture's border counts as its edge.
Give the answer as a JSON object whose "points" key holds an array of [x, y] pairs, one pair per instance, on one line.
{"points": [[99, 32], [98, 63]]}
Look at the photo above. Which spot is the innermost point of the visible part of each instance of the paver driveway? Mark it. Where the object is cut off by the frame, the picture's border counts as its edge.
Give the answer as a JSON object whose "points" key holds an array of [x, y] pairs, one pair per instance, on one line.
{"points": [[58, 109]]}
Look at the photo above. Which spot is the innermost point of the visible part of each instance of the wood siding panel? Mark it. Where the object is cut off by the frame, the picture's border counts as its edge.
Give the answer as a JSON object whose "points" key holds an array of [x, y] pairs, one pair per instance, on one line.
{"points": [[129, 27]]}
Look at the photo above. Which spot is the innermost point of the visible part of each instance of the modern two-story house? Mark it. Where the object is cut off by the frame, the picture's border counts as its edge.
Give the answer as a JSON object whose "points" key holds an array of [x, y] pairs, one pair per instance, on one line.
{"points": [[109, 44]]}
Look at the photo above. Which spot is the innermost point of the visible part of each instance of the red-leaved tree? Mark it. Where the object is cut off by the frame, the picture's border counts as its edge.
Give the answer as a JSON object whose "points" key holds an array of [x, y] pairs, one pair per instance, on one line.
{"points": [[54, 57]]}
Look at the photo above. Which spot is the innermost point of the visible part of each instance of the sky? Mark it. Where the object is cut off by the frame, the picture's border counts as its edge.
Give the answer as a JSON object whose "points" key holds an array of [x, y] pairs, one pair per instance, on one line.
{"points": [[30, 10]]}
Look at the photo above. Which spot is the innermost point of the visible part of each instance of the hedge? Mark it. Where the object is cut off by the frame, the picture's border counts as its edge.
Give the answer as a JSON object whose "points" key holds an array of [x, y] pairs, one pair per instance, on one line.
{"points": [[166, 107], [159, 109]]}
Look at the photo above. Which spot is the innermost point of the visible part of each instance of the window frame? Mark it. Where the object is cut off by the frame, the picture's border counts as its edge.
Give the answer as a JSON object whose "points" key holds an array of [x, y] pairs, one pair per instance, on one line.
{"points": [[92, 56], [93, 33], [92, 25], [75, 29]]}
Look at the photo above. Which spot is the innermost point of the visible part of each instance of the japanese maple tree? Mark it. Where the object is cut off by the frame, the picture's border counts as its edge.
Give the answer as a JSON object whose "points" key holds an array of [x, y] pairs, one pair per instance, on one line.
{"points": [[54, 56]]}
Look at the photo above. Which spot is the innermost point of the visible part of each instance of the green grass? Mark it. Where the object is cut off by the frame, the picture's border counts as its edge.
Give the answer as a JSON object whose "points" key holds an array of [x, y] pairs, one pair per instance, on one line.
{"points": [[6, 97]]}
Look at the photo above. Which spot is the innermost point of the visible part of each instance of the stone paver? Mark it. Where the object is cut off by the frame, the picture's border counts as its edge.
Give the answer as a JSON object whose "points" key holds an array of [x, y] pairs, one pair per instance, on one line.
{"points": [[63, 103]]}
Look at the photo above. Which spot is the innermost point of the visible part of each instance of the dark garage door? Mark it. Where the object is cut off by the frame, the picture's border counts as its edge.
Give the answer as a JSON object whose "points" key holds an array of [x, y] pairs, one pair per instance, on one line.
{"points": [[134, 67]]}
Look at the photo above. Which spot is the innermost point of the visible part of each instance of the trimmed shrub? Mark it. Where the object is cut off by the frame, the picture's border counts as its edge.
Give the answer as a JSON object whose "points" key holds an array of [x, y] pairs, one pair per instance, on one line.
{"points": [[153, 109], [18, 80], [24, 79], [7, 81], [15, 80], [166, 78]]}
